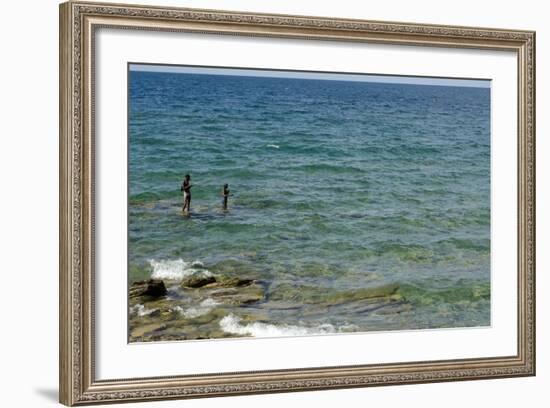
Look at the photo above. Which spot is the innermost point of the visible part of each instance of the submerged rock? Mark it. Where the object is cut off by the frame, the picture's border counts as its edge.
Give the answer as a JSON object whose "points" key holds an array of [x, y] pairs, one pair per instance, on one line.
{"points": [[384, 291], [397, 308], [297, 294], [152, 288], [240, 295]]}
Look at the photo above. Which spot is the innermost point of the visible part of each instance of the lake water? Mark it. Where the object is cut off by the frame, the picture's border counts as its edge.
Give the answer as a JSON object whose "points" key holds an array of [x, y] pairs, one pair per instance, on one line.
{"points": [[336, 186]]}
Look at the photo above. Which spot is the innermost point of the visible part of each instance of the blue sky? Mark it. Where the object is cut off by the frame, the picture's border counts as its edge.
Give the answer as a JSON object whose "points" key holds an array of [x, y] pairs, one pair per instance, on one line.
{"points": [[477, 83]]}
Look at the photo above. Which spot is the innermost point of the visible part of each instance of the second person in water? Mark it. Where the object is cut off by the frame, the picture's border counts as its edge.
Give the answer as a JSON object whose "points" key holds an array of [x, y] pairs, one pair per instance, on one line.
{"points": [[225, 194]]}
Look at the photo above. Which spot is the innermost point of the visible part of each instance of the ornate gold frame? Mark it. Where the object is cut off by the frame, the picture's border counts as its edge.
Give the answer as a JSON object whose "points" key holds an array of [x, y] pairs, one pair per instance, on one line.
{"points": [[78, 21]]}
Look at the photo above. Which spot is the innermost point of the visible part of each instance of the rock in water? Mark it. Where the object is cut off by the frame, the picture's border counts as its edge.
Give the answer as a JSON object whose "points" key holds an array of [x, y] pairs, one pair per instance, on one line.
{"points": [[197, 281], [139, 331], [152, 288]]}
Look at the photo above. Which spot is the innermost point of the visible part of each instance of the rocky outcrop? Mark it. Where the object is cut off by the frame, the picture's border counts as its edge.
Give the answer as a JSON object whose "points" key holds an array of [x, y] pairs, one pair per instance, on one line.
{"points": [[196, 306], [229, 290], [200, 279], [152, 288]]}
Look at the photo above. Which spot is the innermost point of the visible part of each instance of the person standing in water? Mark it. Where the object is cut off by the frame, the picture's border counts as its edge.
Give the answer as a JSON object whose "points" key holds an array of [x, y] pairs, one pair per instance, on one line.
{"points": [[186, 188], [225, 194]]}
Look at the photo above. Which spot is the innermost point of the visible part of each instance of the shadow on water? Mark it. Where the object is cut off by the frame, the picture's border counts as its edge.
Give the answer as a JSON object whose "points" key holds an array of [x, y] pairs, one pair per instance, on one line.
{"points": [[206, 215]]}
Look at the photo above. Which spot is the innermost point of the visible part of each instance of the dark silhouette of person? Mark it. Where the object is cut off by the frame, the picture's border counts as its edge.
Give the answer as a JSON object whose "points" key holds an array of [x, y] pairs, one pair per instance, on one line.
{"points": [[225, 194], [186, 188]]}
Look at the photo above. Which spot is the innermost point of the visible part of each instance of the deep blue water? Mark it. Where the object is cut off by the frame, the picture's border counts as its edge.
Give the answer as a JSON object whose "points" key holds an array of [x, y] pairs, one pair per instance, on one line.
{"points": [[336, 185]]}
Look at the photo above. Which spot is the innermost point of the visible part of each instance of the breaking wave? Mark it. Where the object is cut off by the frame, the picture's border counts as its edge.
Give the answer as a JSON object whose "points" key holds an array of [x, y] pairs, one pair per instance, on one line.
{"points": [[232, 324], [176, 269]]}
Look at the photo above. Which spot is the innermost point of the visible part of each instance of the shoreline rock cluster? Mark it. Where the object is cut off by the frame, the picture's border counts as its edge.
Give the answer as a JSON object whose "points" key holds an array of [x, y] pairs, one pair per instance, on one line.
{"points": [[192, 308]]}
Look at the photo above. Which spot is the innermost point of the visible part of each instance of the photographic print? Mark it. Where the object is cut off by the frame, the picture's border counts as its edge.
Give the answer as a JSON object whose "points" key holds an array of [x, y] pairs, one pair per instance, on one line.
{"points": [[268, 203], [324, 192]]}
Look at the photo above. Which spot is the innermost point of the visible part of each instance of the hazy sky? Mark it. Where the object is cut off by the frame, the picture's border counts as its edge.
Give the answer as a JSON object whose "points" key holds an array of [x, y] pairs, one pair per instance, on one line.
{"points": [[478, 83]]}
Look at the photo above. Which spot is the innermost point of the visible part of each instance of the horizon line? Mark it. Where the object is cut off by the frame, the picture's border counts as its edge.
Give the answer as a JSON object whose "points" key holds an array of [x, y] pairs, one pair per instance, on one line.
{"points": [[311, 75]]}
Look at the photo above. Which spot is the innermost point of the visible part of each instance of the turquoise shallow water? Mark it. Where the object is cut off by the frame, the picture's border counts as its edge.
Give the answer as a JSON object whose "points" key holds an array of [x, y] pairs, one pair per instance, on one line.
{"points": [[336, 186]]}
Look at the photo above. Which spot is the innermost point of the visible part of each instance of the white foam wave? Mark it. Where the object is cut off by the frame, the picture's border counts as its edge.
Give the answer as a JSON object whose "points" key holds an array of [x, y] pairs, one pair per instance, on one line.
{"points": [[232, 324], [273, 145], [203, 308], [176, 269], [141, 310]]}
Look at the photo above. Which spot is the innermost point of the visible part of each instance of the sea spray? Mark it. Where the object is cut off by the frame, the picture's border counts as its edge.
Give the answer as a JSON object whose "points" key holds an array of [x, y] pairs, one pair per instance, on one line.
{"points": [[232, 324], [176, 269]]}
